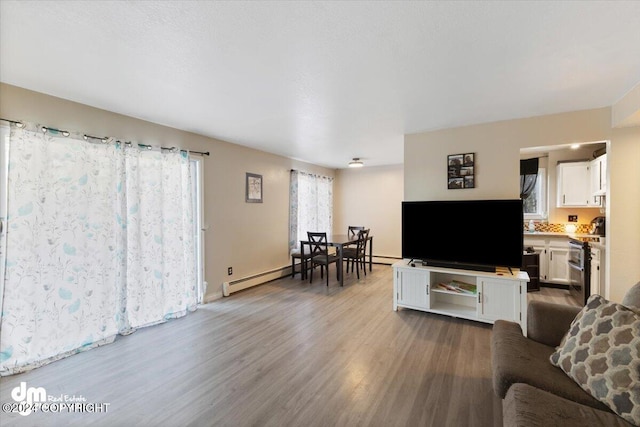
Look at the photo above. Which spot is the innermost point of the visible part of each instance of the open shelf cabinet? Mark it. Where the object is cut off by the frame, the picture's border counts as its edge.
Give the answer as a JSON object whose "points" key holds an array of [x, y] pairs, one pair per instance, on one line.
{"points": [[487, 296]]}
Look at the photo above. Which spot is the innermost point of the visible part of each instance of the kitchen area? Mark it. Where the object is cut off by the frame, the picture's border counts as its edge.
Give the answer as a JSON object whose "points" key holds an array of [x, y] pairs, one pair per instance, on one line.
{"points": [[565, 220]]}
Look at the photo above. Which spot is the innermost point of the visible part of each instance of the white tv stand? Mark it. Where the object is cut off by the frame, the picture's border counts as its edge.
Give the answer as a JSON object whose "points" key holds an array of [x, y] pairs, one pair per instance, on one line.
{"points": [[499, 295]]}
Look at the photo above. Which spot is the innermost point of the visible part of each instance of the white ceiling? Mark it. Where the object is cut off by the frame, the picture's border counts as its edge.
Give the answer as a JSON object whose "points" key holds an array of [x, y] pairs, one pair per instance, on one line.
{"points": [[324, 81]]}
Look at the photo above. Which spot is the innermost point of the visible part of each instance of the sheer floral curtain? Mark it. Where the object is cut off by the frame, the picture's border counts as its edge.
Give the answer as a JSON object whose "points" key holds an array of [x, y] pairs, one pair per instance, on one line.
{"points": [[99, 242], [63, 260], [160, 274], [310, 206]]}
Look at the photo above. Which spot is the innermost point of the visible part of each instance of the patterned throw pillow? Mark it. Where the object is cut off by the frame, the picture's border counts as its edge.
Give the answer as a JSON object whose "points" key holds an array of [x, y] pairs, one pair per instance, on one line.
{"points": [[601, 352]]}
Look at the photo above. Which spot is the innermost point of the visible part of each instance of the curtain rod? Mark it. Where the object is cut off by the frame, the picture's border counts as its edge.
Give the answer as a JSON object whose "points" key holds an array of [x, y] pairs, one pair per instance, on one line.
{"points": [[103, 139]]}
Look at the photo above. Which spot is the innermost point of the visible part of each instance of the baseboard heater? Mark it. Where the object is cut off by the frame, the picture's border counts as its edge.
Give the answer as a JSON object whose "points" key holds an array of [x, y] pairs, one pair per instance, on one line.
{"points": [[384, 259], [258, 279], [254, 280]]}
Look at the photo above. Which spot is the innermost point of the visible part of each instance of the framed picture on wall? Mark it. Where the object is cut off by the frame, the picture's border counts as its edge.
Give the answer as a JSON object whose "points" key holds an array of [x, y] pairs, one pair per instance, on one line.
{"points": [[253, 188], [461, 171]]}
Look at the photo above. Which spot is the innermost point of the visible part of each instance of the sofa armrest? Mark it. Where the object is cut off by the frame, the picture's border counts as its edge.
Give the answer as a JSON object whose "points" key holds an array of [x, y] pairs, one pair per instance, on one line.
{"points": [[547, 323]]}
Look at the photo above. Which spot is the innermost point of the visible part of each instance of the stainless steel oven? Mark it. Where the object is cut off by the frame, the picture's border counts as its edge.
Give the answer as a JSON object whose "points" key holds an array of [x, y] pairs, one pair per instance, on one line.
{"points": [[579, 270]]}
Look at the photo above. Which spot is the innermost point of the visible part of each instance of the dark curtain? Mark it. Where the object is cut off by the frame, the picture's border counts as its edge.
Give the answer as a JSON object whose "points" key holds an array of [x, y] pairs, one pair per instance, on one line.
{"points": [[528, 176]]}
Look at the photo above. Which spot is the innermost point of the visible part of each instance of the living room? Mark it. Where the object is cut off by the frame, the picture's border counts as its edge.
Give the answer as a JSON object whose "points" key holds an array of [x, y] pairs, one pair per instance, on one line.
{"points": [[370, 195]]}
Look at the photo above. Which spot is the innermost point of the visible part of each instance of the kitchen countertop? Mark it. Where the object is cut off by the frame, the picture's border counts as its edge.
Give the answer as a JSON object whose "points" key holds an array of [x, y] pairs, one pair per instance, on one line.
{"points": [[555, 234], [599, 245]]}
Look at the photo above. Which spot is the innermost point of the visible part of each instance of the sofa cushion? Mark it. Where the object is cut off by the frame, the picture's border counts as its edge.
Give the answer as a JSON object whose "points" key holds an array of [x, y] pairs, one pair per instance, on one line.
{"points": [[601, 353], [632, 298], [548, 323], [517, 359], [527, 406]]}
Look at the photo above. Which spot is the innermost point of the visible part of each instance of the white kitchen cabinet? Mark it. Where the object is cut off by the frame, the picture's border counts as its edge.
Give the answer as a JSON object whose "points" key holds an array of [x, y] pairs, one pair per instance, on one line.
{"points": [[554, 254], [496, 296], [559, 263], [598, 173], [597, 271], [574, 185]]}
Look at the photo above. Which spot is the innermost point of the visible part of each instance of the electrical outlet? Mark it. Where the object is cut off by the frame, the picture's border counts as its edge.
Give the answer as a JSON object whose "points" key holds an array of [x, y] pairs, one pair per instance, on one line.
{"points": [[230, 271], [573, 218]]}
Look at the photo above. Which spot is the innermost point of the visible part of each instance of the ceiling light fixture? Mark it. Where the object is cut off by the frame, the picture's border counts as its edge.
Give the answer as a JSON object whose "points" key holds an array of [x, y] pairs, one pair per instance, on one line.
{"points": [[575, 146], [356, 163]]}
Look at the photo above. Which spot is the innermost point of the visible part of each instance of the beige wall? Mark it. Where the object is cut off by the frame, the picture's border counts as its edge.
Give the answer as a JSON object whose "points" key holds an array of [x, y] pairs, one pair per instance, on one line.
{"points": [[497, 147], [372, 197], [250, 237], [623, 221]]}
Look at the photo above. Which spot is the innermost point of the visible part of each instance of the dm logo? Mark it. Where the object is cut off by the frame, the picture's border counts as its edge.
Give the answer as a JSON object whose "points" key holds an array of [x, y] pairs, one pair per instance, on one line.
{"points": [[29, 395]]}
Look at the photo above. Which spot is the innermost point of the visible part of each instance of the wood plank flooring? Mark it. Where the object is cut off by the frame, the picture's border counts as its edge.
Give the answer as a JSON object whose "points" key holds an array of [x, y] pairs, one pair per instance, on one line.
{"points": [[554, 295], [287, 353]]}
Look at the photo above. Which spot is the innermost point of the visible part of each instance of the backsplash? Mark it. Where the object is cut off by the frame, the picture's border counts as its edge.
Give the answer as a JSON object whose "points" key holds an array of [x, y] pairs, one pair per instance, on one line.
{"points": [[558, 228]]}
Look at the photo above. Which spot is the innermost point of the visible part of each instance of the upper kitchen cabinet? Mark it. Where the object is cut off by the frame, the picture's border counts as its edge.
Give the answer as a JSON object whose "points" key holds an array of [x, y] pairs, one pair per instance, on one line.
{"points": [[574, 185], [598, 172]]}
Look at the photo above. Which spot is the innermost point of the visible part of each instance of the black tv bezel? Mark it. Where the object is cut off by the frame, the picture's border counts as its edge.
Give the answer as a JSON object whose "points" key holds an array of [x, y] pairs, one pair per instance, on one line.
{"points": [[463, 264]]}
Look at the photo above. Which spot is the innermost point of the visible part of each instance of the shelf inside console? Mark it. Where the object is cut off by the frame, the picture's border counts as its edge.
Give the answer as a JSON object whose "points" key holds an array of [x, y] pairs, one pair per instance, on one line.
{"points": [[455, 310], [444, 291]]}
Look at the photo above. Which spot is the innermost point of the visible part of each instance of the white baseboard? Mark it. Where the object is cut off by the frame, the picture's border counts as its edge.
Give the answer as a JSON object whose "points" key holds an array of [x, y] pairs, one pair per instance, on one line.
{"points": [[211, 298]]}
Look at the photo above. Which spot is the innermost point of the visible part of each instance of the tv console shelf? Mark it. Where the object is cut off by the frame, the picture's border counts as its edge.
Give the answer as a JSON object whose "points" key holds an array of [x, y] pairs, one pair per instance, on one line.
{"points": [[467, 294]]}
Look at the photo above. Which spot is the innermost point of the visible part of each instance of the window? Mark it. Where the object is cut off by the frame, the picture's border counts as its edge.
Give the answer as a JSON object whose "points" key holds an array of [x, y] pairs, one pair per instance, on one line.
{"points": [[4, 166], [535, 206], [196, 185], [310, 206]]}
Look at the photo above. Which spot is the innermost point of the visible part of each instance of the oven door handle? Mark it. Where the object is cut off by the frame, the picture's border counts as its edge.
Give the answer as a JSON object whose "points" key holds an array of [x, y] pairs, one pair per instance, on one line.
{"points": [[575, 266]]}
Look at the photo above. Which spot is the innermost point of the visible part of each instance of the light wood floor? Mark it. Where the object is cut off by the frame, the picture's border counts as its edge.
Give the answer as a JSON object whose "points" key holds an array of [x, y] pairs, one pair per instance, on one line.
{"points": [[554, 295], [287, 353]]}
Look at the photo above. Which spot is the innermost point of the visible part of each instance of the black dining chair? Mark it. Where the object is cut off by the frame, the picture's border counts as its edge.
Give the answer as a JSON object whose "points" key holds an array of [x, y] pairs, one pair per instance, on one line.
{"points": [[320, 254], [352, 232], [358, 254], [303, 262]]}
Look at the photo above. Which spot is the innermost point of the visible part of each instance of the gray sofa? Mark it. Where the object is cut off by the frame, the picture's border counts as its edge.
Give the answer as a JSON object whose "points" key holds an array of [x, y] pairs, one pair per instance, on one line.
{"points": [[535, 392]]}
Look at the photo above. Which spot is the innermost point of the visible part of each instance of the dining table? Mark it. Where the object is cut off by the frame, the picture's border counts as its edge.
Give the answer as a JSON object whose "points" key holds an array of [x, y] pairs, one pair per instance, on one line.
{"points": [[339, 241]]}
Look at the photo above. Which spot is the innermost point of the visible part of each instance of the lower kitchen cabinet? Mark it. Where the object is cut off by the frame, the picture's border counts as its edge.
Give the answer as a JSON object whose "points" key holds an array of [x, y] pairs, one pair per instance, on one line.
{"points": [[554, 254], [559, 263], [598, 272]]}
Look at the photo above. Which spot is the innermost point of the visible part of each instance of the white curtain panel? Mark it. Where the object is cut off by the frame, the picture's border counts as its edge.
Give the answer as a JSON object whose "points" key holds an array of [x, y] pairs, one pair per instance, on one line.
{"points": [[311, 206], [160, 274], [61, 290], [99, 242]]}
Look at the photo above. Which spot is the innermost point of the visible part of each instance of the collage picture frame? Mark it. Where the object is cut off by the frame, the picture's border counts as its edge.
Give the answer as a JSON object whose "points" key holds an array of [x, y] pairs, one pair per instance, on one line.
{"points": [[461, 171]]}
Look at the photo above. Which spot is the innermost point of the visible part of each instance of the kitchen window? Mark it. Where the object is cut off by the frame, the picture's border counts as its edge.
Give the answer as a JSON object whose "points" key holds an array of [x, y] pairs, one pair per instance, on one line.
{"points": [[535, 205]]}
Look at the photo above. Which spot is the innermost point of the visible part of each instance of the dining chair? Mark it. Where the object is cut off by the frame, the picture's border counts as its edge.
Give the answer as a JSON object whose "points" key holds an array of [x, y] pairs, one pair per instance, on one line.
{"points": [[358, 254], [320, 254], [352, 232], [303, 262]]}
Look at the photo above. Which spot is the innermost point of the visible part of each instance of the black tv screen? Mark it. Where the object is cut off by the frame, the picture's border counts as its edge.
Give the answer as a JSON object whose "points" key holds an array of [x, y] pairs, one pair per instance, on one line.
{"points": [[467, 234]]}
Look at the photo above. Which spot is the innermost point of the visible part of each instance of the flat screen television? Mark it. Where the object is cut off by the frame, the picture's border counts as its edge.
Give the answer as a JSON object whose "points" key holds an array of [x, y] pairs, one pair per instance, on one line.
{"points": [[466, 234]]}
